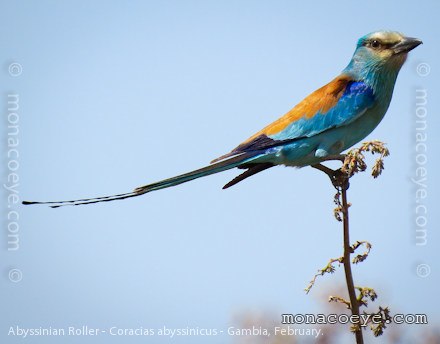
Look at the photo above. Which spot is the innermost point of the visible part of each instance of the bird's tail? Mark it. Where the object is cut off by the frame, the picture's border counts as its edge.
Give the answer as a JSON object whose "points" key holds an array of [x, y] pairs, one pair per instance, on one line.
{"points": [[220, 166]]}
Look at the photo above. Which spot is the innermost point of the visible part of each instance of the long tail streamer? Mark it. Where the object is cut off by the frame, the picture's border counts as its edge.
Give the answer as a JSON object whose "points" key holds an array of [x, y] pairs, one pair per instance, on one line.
{"points": [[220, 166]]}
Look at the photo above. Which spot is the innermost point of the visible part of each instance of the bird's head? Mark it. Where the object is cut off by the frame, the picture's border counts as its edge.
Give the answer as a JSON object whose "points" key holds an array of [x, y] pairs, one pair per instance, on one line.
{"points": [[382, 52]]}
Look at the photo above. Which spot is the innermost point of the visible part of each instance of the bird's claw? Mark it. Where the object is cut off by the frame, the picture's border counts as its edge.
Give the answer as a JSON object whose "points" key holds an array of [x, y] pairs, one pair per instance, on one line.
{"points": [[339, 179]]}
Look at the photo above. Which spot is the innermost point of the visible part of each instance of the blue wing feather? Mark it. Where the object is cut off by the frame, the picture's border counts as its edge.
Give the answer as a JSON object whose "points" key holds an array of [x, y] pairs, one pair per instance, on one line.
{"points": [[353, 103]]}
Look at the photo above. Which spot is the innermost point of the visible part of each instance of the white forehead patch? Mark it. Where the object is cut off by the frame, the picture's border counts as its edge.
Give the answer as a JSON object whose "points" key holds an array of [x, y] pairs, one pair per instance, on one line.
{"points": [[387, 36]]}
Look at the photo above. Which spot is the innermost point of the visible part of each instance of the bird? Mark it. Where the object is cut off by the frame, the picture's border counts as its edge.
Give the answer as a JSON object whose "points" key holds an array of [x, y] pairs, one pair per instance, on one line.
{"points": [[325, 123]]}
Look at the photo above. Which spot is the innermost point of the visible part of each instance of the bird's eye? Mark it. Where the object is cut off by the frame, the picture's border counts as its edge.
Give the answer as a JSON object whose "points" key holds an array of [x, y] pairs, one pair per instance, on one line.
{"points": [[375, 44]]}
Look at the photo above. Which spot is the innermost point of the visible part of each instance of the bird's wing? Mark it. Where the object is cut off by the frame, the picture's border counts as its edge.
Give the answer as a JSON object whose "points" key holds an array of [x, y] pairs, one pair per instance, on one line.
{"points": [[336, 104]]}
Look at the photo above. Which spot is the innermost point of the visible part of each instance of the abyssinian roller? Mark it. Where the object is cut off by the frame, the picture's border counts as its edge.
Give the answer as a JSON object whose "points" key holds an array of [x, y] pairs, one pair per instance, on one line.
{"points": [[327, 122]]}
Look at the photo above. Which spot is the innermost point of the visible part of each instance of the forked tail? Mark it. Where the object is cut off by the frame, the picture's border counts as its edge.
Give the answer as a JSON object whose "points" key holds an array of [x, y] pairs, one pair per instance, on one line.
{"points": [[166, 183]]}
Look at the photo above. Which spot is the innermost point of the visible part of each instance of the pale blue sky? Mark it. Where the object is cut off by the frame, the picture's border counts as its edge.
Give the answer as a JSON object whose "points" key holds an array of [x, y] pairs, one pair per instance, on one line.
{"points": [[114, 95]]}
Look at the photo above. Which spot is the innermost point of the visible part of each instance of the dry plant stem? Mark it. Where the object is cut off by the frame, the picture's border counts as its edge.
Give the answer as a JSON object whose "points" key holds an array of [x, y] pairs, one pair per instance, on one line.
{"points": [[347, 261], [341, 182], [353, 162]]}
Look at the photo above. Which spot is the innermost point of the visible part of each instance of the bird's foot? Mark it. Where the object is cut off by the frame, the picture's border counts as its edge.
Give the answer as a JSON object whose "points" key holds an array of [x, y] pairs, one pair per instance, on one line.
{"points": [[339, 179]]}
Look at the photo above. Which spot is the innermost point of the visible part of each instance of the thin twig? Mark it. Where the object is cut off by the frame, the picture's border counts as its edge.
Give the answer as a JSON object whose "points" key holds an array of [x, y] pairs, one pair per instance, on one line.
{"points": [[348, 250], [352, 163], [329, 268]]}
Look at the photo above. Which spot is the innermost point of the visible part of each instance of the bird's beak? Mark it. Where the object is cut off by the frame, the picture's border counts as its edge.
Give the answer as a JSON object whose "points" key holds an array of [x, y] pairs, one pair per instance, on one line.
{"points": [[406, 45]]}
